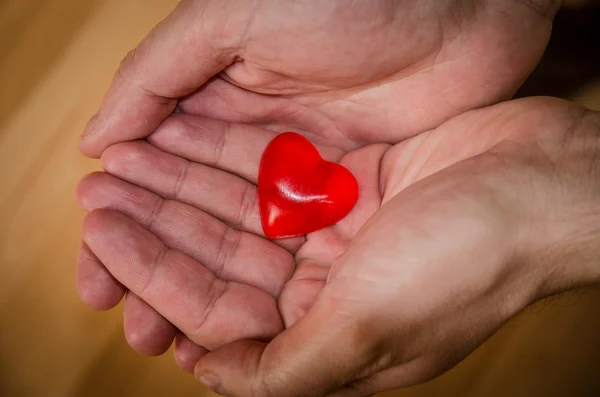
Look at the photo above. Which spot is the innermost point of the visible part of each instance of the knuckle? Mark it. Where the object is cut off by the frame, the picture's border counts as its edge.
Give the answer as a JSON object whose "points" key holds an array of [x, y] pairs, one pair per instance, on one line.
{"points": [[228, 246], [149, 279], [182, 175], [155, 215], [220, 145], [247, 204]]}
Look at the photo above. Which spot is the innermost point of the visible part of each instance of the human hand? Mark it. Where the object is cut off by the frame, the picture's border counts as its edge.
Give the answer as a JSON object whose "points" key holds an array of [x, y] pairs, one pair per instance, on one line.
{"points": [[430, 76], [454, 251], [193, 187], [390, 69]]}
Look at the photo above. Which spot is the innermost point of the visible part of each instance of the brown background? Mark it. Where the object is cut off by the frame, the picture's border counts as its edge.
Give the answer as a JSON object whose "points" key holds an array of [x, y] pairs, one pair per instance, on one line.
{"points": [[56, 59]]}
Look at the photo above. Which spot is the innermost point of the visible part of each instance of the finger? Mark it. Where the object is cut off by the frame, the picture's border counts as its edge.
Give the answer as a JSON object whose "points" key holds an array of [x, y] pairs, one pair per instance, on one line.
{"points": [[221, 194], [207, 309], [233, 147], [97, 288], [323, 351], [231, 254], [146, 331], [302, 291], [187, 353], [146, 86]]}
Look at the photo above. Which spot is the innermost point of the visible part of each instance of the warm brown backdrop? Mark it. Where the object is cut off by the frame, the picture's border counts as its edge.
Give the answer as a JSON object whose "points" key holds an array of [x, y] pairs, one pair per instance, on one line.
{"points": [[56, 58]]}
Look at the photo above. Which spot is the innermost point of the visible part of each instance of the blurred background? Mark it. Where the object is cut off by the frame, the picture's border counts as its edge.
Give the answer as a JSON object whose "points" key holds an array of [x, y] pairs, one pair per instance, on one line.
{"points": [[56, 59]]}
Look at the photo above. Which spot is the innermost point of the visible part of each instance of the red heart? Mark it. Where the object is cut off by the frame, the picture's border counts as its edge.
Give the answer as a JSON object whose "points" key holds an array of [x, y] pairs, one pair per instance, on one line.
{"points": [[298, 191]]}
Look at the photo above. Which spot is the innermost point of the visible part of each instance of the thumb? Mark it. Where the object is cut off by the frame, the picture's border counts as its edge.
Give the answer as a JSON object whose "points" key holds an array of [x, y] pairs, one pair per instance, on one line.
{"points": [[175, 59], [325, 350]]}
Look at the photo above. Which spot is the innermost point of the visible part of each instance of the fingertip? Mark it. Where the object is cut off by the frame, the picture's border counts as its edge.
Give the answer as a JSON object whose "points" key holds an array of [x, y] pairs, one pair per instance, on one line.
{"points": [[232, 369], [293, 305], [85, 187], [109, 157], [92, 225], [108, 232], [176, 128], [118, 158], [85, 143], [146, 330], [187, 353], [96, 287]]}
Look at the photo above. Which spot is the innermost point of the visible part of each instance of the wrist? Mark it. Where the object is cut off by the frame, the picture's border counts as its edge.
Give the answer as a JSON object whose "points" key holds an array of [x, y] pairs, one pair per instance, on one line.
{"points": [[563, 214]]}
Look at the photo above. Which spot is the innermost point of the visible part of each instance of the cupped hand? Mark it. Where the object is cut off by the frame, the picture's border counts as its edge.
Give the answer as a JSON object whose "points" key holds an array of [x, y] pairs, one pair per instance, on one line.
{"points": [[378, 70], [467, 235], [400, 69]]}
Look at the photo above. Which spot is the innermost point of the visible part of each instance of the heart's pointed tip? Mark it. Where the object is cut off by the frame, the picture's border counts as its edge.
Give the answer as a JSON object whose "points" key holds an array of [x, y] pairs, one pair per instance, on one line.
{"points": [[272, 233], [279, 232], [275, 236]]}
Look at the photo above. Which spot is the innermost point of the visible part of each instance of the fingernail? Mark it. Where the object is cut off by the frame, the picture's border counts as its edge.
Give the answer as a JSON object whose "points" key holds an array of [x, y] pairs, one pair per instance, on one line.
{"points": [[211, 381], [90, 126]]}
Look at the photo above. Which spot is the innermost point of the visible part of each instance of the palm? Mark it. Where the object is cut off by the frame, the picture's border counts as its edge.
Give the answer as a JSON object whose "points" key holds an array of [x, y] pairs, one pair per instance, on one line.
{"points": [[402, 67], [382, 170], [360, 110]]}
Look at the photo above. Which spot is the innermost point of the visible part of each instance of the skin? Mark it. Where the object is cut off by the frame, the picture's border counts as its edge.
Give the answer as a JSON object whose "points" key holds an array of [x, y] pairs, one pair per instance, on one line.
{"points": [[175, 222]]}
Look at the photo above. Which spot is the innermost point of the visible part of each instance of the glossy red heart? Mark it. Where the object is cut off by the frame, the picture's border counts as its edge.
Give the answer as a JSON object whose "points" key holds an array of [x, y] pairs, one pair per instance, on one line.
{"points": [[298, 191]]}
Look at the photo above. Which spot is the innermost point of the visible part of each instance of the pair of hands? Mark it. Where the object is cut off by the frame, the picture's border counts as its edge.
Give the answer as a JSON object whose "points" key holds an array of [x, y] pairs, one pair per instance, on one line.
{"points": [[466, 213]]}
